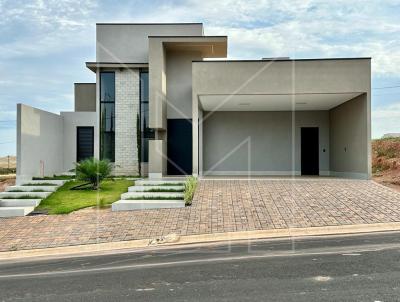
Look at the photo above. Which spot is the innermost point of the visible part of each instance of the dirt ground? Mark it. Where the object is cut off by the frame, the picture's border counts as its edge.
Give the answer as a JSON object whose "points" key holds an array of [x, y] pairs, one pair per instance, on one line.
{"points": [[389, 178], [386, 162], [4, 183]]}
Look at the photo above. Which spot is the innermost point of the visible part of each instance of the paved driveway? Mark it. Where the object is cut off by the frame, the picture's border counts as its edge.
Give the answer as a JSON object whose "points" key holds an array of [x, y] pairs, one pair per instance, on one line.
{"points": [[218, 206]]}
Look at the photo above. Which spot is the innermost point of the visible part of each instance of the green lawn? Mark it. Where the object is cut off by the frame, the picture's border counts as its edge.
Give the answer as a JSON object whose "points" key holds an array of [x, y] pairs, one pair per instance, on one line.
{"points": [[66, 201]]}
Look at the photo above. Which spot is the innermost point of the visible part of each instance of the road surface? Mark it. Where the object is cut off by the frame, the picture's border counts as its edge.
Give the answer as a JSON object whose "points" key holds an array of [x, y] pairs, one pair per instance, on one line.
{"points": [[353, 268]]}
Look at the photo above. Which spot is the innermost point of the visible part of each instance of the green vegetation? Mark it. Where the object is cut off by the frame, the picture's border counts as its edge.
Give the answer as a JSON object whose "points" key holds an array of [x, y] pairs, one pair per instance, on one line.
{"points": [[18, 190], [166, 184], [153, 198], [7, 171], [55, 177], [164, 190], [190, 188], [22, 197], [93, 171], [65, 200], [47, 184]]}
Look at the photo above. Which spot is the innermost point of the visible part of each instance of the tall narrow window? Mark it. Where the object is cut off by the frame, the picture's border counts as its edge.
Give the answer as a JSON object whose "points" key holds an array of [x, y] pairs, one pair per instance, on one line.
{"points": [[107, 116], [146, 133]]}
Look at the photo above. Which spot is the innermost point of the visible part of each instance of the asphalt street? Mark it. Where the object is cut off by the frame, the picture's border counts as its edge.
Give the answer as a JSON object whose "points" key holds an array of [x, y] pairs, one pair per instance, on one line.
{"points": [[346, 268]]}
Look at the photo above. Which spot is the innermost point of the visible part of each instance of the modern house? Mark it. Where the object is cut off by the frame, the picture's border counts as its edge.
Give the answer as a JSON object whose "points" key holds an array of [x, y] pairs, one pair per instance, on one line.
{"points": [[167, 101]]}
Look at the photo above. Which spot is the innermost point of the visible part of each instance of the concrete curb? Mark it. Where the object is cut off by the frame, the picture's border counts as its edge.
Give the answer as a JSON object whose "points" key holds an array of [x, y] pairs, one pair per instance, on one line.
{"points": [[203, 238]]}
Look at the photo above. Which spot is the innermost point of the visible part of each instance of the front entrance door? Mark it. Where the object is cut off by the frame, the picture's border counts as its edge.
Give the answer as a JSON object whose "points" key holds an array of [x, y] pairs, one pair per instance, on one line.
{"points": [[309, 151], [179, 146], [84, 143]]}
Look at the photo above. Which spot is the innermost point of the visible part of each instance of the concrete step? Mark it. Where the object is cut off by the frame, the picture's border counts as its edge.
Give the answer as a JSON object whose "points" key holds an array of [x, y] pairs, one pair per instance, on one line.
{"points": [[19, 202], [158, 195], [160, 188], [44, 181], [17, 195], [131, 205], [160, 182], [32, 188], [68, 173], [15, 211]]}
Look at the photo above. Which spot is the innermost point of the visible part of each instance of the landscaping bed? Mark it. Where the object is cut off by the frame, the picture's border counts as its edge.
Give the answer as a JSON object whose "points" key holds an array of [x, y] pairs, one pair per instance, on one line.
{"points": [[65, 200]]}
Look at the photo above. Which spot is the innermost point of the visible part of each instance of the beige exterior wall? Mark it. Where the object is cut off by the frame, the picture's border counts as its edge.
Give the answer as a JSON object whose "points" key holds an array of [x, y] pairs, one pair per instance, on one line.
{"points": [[281, 77], [260, 142], [179, 83], [71, 120], [157, 158], [349, 139], [85, 97], [46, 142], [128, 43], [286, 77], [169, 80], [39, 143], [126, 120]]}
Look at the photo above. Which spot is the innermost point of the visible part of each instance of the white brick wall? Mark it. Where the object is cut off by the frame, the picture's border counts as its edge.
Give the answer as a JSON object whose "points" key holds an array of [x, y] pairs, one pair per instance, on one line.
{"points": [[126, 115]]}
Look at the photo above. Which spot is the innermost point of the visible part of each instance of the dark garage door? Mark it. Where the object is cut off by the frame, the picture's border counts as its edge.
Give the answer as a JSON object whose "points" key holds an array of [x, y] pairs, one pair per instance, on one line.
{"points": [[84, 143], [179, 147]]}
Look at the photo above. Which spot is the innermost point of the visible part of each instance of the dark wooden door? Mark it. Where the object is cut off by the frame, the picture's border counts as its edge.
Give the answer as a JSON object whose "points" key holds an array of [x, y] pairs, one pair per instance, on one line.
{"points": [[84, 143], [309, 151]]}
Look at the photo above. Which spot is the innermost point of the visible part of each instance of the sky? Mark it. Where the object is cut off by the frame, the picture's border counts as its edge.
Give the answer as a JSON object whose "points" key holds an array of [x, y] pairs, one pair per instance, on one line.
{"points": [[44, 44]]}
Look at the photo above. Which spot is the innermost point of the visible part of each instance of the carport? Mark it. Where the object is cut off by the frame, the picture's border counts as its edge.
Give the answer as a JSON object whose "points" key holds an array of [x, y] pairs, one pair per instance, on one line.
{"points": [[282, 117]]}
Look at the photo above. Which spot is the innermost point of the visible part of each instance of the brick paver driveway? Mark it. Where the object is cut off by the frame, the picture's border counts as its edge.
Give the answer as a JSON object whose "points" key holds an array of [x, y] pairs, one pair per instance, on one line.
{"points": [[218, 206]]}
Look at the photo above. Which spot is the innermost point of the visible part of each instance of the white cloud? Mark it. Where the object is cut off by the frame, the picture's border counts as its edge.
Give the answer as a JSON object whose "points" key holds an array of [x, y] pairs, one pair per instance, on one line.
{"points": [[386, 120], [312, 28], [37, 28]]}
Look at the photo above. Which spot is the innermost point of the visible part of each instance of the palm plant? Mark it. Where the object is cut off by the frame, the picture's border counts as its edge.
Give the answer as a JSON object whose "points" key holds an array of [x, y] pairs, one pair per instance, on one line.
{"points": [[93, 171]]}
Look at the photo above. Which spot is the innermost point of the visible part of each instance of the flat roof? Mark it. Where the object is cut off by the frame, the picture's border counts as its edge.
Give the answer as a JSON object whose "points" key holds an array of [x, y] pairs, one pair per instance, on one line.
{"points": [[169, 36], [178, 23], [283, 60], [209, 46], [94, 65]]}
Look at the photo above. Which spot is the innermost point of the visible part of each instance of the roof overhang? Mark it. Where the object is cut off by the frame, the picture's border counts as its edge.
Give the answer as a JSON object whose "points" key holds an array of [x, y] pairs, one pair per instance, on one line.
{"points": [[94, 65], [274, 102], [208, 46]]}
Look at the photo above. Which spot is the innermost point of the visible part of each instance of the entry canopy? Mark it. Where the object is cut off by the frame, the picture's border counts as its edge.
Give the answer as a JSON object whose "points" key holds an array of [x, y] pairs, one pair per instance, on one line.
{"points": [[208, 46], [274, 102]]}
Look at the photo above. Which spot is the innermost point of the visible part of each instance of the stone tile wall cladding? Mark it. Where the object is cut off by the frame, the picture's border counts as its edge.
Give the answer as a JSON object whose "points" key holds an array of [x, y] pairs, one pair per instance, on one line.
{"points": [[127, 98]]}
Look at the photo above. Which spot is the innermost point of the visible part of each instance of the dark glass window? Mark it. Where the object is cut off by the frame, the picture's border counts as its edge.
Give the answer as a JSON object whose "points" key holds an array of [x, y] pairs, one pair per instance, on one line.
{"points": [[107, 116], [145, 132]]}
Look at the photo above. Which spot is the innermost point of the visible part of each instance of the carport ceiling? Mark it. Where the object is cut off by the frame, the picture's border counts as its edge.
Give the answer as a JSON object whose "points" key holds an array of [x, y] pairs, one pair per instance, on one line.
{"points": [[274, 102]]}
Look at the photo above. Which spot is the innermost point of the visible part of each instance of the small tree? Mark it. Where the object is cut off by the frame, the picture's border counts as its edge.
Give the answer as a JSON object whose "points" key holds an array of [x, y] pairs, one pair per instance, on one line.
{"points": [[93, 171]]}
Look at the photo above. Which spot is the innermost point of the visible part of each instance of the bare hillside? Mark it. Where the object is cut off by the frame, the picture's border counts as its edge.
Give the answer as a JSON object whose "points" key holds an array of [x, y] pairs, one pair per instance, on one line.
{"points": [[386, 161]]}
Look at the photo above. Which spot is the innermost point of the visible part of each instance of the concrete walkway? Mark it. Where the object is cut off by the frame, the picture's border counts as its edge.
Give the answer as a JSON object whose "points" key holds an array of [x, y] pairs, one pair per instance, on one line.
{"points": [[219, 206]]}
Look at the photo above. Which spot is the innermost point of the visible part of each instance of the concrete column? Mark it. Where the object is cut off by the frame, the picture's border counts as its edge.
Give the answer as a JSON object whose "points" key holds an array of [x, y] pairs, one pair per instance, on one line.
{"points": [[157, 158]]}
